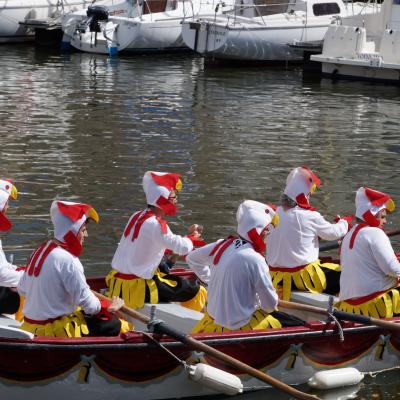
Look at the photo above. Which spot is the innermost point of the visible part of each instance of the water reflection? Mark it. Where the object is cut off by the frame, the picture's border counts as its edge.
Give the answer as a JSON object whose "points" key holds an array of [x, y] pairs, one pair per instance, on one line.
{"points": [[84, 127]]}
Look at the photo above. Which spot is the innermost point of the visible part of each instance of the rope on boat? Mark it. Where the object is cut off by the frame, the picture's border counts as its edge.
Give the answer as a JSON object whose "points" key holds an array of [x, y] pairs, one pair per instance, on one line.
{"points": [[185, 365], [151, 324], [331, 317], [374, 374]]}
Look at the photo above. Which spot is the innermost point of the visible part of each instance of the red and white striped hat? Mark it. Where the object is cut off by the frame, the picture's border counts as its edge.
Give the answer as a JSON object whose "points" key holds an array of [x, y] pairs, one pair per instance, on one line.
{"points": [[158, 186], [369, 202], [7, 191], [68, 218], [252, 218], [300, 182]]}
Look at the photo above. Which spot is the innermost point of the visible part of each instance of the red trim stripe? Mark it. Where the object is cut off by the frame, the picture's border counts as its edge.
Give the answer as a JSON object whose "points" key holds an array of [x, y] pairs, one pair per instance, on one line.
{"points": [[287, 269], [354, 234], [49, 249], [35, 255], [134, 218], [127, 277], [218, 254], [364, 299]]}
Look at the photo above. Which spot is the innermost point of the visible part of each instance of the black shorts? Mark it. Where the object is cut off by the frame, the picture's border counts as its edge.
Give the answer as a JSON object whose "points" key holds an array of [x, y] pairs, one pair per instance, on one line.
{"points": [[9, 300]]}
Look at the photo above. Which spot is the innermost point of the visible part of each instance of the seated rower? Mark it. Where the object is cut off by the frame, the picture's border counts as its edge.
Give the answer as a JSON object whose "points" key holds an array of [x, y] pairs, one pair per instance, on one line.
{"points": [[240, 291], [293, 248], [135, 275], [54, 284], [369, 283], [9, 274]]}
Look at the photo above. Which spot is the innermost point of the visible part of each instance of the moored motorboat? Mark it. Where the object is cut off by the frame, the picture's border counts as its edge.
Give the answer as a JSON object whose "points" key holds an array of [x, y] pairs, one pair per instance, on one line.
{"points": [[266, 31], [134, 365], [14, 12], [364, 49], [155, 28]]}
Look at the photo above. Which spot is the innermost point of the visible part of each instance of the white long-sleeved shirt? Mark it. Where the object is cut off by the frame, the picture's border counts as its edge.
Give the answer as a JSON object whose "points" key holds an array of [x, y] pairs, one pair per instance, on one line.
{"points": [[370, 266], [143, 256], [295, 241], [9, 277], [238, 285], [59, 288]]}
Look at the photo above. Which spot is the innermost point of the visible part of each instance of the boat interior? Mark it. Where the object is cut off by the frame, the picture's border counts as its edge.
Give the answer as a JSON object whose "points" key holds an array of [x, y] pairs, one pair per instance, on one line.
{"points": [[181, 318]]}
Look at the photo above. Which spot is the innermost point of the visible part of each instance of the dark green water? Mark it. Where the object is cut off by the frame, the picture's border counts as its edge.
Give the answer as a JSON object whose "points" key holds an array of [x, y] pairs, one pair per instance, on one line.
{"points": [[86, 128]]}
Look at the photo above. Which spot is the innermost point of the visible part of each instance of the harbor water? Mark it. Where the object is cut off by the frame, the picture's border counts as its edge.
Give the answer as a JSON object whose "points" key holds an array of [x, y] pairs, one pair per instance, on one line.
{"points": [[85, 128]]}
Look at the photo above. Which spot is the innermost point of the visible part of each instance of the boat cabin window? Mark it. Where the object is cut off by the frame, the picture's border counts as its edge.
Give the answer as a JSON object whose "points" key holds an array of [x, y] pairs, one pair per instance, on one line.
{"points": [[326, 9], [155, 6]]}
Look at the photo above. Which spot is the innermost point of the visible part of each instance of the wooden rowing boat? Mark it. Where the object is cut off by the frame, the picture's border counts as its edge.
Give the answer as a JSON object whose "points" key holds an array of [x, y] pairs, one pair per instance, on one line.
{"points": [[134, 366]]}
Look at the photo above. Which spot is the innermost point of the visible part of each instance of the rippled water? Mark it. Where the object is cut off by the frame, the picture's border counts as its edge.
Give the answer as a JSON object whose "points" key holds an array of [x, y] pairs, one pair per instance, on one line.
{"points": [[84, 127]]}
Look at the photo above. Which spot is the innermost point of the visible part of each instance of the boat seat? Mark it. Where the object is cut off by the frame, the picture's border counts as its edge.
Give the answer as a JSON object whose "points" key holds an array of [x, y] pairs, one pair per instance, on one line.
{"points": [[313, 299], [181, 318], [390, 46], [344, 41], [9, 328]]}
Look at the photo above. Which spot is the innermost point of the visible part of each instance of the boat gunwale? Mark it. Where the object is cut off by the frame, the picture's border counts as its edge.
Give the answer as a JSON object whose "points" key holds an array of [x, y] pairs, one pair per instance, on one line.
{"points": [[139, 340]]}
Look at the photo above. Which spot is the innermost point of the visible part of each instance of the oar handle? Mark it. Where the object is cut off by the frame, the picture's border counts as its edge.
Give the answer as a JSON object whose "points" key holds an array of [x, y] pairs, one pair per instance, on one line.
{"points": [[163, 328], [335, 245], [361, 319]]}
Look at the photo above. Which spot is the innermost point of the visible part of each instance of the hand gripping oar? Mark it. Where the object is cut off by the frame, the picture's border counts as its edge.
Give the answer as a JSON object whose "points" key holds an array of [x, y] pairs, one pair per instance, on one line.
{"points": [[335, 245], [162, 327], [361, 319]]}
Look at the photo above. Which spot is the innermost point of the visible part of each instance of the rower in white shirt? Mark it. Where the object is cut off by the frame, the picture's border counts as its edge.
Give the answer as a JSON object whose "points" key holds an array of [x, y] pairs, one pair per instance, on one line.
{"points": [[240, 291], [9, 273], [370, 269], [293, 248], [54, 284], [135, 274]]}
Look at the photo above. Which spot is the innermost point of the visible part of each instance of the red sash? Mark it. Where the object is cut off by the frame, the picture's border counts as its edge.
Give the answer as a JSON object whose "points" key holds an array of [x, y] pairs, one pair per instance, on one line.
{"points": [[137, 221], [287, 269], [38, 256], [220, 247]]}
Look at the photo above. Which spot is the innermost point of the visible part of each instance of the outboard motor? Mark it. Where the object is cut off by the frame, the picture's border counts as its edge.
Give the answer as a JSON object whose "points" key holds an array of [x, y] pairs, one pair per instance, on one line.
{"points": [[96, 14]]}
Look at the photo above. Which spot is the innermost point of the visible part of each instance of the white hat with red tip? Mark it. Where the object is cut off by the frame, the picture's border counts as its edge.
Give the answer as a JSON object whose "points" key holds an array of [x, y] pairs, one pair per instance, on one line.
{"points": [[7, 191], [68, 218], [252, 218], [300, 182], [369, 202], [158, 186]]}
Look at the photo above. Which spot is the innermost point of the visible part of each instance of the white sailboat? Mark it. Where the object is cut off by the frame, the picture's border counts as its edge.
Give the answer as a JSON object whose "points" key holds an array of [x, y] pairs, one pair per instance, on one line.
{"points": [[12, 12], [156, 27], [366, 49], [258, 30]]}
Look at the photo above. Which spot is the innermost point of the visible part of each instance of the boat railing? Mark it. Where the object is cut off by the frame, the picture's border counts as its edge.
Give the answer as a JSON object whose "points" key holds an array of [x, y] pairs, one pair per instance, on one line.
{"points": [[189, 9], [261, 10]]}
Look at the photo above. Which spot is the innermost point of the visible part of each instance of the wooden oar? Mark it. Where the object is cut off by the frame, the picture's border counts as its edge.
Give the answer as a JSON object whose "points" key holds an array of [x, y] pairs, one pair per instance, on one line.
{"points": [[361, 319], [162, 327], [335, 245]]}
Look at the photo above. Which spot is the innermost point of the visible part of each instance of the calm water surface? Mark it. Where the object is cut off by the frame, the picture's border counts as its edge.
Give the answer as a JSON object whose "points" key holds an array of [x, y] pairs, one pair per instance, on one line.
{"points": [[85, 128]]}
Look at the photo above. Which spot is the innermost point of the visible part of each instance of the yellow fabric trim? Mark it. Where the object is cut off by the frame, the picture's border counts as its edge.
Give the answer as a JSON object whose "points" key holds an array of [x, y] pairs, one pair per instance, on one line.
{"points": [[259, 320], [132, 291], [311, 278], [125, 326], [161, 278], [198, 302], [18, 315], [383, 306], [73, 325]]}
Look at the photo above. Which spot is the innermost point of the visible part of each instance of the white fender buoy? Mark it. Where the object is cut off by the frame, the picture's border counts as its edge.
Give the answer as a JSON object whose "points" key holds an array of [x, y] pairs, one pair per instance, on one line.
{"points": [[214, 378], [334, 378]]}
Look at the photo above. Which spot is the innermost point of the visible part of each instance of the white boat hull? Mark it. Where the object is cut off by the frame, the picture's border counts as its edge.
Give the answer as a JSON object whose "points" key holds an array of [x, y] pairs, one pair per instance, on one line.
{"points": [[134, 36], [360, 69], [255, 44], [14, 11]]}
